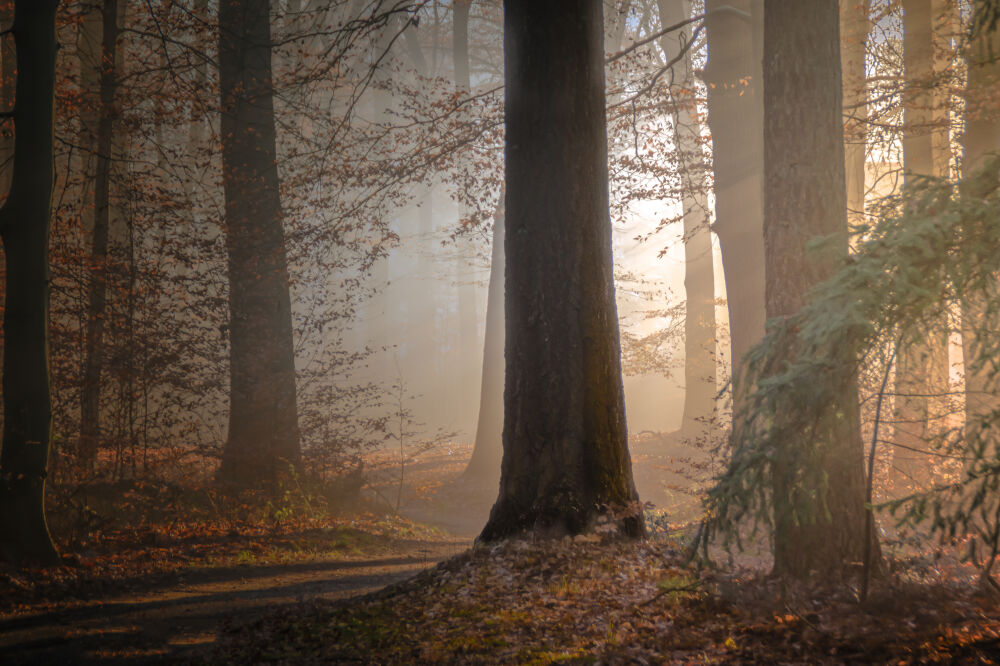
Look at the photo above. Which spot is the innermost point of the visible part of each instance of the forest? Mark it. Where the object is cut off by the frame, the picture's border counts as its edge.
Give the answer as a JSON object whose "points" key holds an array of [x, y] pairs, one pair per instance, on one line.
{"points": [[416, 331]]}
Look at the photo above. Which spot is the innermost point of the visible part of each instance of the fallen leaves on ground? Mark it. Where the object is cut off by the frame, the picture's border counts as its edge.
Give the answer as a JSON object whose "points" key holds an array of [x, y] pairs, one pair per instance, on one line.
{"points": [[585, 600], [146, 557]]}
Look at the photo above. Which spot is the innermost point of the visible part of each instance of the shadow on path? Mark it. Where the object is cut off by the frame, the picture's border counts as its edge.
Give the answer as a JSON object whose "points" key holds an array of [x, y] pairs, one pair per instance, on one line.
{"points": [[176, 624]]}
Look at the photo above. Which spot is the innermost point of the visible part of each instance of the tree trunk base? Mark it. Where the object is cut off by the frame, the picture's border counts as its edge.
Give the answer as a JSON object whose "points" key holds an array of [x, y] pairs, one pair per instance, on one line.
{"points": [[24, 534]]}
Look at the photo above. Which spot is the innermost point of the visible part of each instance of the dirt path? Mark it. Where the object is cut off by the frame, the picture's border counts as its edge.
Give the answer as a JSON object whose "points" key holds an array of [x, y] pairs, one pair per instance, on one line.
{"points": [[178, 623]]}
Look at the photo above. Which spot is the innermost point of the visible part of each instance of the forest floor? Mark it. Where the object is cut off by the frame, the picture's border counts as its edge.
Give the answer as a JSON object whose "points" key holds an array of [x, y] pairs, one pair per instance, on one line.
{"points": [[293, 584], [144, 603], [588, 601]]}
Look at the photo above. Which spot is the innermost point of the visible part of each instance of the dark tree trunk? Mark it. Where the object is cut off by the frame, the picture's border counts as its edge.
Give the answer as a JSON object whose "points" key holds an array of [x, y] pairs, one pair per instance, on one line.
{"points": [[90, 391], [565, 458], [263, 427], [24, 227], [805, 198], [733, 76], [921, 367], [484, 465]]}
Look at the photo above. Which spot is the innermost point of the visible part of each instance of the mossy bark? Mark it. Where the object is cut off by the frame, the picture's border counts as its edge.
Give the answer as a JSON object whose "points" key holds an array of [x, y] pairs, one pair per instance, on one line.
{"points": [[24, 227], [565, 460]]}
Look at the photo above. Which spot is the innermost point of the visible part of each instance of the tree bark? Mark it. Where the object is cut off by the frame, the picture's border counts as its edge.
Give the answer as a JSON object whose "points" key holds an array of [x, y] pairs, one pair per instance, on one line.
{"points": [[733, 76], [698, 420], [565, 460], [854, 28], [484, 465], [805, 198], [467, 316], [460, 44], [24, 228], [90, 391], [263, 429], [982, 135], [921, 367]]}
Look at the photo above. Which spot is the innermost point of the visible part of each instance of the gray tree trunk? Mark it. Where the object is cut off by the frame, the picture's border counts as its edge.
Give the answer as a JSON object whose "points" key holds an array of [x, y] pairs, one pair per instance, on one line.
{"points": [[733, 75], [921, 367], [805, 198], [700, 390], [484, 465]]}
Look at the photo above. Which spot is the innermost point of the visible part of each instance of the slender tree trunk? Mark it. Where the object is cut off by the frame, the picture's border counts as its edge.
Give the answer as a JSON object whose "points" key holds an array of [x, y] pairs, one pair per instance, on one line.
{"points": [[24, 227], [733, 76], [8, 72], [460, 44], [854, 28], [565, 460], [484, 465], [90, 391], [921, 367], [263, 428], [982, 135], [467, 316], [699, 274], [805, 198]]}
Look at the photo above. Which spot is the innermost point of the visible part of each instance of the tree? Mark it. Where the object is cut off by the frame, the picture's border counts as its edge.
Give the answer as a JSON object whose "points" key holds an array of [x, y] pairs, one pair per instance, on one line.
{"points": [[565, 459], [922, 367], [805, 199], [854, 28], [699, 276], [24, 228], [263, 428], [982, 135], [90, 415], [733, 77], [467, 317], [487, 452]]}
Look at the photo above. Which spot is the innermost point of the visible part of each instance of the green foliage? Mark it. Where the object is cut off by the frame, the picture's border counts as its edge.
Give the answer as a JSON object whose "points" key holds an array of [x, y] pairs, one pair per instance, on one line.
{"points": [[930, 247]]}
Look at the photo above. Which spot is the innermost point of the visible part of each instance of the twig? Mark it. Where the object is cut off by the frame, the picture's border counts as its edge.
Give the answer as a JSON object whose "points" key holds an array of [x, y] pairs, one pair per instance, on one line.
{"points": [[686, 588], [866, 571], [652, 38]]}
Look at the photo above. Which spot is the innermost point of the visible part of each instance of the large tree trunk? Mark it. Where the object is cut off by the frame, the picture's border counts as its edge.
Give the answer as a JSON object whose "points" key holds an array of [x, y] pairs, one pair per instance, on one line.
{"points": [[733, 75], [263, 428], [921, 367], [24, 227], [805, 198], [90, 391], [982, 135], [698, 420], [565, 458]]}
